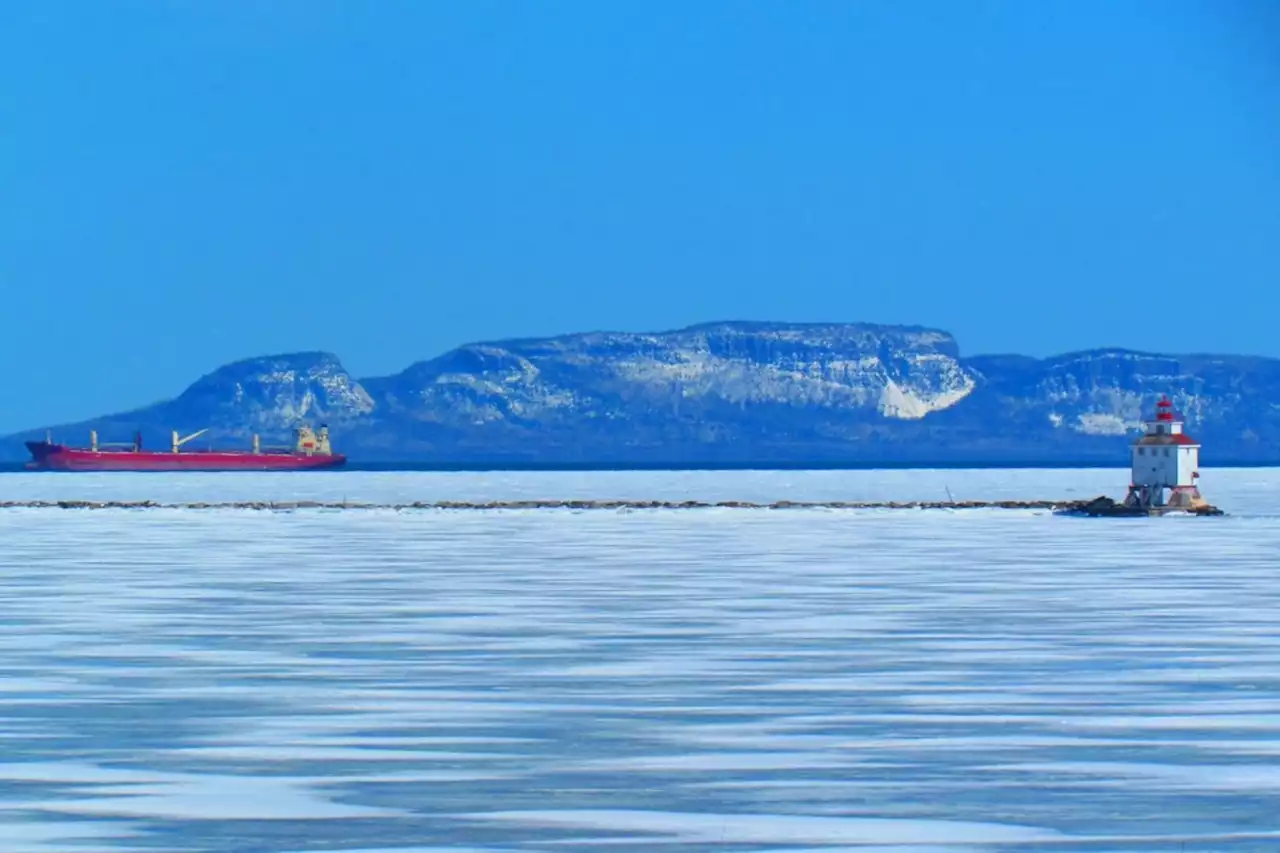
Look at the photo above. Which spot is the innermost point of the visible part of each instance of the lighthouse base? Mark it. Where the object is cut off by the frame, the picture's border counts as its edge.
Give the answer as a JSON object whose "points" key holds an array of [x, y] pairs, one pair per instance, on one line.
{"points": [[1175, 499], [1105, 507]]}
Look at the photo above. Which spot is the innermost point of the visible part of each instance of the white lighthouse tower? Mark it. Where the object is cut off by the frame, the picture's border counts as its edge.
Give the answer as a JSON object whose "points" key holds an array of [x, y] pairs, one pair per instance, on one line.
{"points": [[1166, 465]]}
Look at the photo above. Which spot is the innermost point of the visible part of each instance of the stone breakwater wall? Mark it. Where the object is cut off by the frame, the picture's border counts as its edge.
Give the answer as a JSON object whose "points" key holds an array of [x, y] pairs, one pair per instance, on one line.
{"points": [[1089, 507]]}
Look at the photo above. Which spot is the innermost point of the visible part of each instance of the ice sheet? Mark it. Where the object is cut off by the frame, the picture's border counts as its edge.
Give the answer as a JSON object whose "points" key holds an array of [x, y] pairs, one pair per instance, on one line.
{"points": [[743, 681]]}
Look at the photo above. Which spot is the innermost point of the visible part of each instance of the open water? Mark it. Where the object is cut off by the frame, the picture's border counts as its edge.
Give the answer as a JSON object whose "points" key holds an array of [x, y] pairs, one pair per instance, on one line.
{"points": [[711, 680]]}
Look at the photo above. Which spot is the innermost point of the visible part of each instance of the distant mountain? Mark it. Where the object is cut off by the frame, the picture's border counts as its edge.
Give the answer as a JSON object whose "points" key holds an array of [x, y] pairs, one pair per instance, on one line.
{"points": [[259, 395], [731, 392]]}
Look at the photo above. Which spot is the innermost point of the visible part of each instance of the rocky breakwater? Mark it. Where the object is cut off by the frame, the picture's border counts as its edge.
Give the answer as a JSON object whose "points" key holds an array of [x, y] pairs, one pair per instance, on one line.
{"points": [[1101, 506]]}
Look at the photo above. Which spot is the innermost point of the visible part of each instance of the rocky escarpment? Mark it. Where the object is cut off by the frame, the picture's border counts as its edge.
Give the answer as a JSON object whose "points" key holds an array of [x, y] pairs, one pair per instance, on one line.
{"points": [[272, 394], [707, 387], [727, 393], [1068, 400]]}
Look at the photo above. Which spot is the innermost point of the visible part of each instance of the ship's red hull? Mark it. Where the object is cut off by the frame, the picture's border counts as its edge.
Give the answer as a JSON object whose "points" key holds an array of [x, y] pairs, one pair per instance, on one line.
{"points": [[58, 457]]}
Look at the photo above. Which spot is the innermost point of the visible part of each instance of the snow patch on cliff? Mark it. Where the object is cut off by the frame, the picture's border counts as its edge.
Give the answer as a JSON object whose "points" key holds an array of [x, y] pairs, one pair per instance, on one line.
{"points": [[509, 384], [1102, 423], [289, 396], [908, 404], [919, 383], [342, 392]]}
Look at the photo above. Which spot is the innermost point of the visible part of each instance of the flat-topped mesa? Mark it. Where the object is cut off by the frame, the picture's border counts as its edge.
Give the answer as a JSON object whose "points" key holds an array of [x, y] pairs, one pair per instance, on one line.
{"points": [[1165, 465]]}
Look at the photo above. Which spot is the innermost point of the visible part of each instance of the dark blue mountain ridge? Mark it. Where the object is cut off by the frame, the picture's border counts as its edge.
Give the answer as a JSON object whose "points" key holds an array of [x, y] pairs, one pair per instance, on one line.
{"points": [[725, 393]]}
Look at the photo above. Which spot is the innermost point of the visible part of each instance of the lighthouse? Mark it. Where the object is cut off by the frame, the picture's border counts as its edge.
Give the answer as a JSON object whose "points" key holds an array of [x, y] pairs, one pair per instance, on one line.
{"points": [[1166, 465]]}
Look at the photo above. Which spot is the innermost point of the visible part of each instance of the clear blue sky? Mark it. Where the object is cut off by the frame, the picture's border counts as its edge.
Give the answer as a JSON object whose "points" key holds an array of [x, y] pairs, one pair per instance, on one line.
{"points": [[187, 183]]}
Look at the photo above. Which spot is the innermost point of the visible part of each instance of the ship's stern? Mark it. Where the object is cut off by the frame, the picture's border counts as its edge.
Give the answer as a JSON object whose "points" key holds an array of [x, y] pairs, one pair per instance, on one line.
{"points": [[41, 452]]}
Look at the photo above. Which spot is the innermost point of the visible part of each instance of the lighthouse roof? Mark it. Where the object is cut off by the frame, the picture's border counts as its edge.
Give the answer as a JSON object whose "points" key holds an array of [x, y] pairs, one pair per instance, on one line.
{"points": [[1166, 438]]}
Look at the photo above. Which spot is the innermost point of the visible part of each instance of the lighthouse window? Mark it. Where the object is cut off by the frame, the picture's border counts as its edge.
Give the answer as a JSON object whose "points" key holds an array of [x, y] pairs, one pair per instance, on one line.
{"points": [[1166, 451], [1142, 451]]}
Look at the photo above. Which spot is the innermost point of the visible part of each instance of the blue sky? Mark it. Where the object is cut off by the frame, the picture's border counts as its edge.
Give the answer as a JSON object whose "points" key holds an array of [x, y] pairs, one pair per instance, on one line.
{"points": [[189, 183]]}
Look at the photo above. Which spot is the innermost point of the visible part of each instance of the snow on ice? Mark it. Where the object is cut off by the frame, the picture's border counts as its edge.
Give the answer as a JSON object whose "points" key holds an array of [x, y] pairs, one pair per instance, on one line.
{"points": [[737, 680]]}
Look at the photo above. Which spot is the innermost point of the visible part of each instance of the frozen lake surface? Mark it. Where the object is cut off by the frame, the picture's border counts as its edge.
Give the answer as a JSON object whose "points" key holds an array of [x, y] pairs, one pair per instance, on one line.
{"points": [[792, 681]]}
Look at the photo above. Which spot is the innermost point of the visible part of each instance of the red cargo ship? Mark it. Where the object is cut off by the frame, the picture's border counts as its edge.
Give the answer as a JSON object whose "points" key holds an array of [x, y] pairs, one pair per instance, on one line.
{"points": [[310, 451]]}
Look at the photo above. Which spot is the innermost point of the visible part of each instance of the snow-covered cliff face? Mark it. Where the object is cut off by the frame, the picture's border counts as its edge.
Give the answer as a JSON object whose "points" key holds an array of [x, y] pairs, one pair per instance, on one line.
{"points": [[1108, 393], [853, 370], [274, 394]]}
